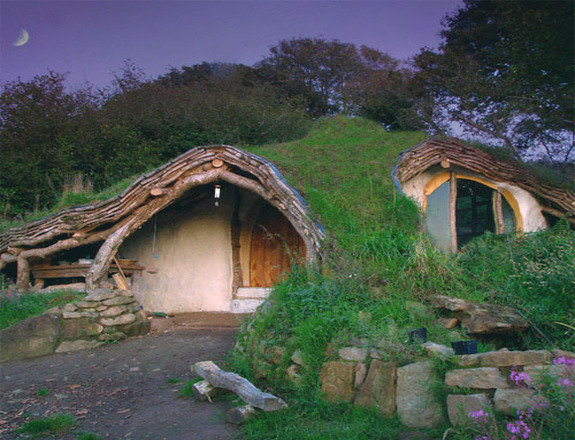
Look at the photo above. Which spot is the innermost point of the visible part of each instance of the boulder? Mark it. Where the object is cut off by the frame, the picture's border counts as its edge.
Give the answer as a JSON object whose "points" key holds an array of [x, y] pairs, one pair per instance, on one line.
{"points": [[506, 358], [137, 328], [459, 406], [79, 329], [378, 389], [508, 401], [128, 318], [113, 311], [538, 373], [482, 378], [437, 350], [110, 337], [448, 323], [355, 354], [119, 300], [337, 380], [99, 295], [30, 338], [482, 319], [417, 406], [80, 344]]}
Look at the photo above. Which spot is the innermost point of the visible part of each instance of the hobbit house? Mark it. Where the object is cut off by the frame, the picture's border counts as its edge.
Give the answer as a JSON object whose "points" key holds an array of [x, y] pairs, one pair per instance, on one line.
{"points": [[464, 191], [211, 230]]}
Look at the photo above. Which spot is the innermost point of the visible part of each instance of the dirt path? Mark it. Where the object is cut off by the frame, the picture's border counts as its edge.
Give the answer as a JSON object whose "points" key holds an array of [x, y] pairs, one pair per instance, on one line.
{"points": [[120, 391]]}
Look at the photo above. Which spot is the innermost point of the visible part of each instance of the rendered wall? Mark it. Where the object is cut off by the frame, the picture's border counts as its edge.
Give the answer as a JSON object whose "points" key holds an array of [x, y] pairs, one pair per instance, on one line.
{"points": [[532, 216], [194, 264]]}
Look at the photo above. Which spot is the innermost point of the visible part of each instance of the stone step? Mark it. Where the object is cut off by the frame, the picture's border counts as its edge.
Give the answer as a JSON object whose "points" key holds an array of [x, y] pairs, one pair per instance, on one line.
{"points": [[252, 293], [245, 305]]}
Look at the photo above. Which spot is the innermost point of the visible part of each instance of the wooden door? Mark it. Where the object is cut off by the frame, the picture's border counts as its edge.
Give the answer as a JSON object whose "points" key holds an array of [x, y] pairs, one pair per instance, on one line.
{"points": [[275, 243]]}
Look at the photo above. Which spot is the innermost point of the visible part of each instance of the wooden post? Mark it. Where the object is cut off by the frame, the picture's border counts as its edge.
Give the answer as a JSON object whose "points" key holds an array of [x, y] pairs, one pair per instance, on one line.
{"points": [[23, 274], [453, 211], [498, 212]]}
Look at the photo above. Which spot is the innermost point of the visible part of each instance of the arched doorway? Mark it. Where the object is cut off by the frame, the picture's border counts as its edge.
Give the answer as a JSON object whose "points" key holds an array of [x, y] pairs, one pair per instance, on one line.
{"points": [[275, 244]]}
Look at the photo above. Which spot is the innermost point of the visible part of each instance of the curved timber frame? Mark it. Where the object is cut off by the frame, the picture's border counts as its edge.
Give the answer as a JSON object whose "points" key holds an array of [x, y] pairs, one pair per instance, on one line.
{"points": [[112, 221]]}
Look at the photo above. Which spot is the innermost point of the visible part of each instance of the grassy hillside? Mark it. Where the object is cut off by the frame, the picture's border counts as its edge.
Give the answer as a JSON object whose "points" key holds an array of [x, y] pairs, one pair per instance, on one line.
{"points": [[380, 268]]}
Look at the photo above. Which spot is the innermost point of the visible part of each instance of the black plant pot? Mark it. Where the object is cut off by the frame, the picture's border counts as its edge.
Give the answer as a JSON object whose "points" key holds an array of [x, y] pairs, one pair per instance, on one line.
{"points": [[418, 335], [464, 347]]}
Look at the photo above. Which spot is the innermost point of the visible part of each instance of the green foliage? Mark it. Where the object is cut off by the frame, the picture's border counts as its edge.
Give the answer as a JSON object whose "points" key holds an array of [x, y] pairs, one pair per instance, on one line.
{"points": [[315, 419], [535, 273], [14, 309], [43, 392], [88, 436], [54, 425]]}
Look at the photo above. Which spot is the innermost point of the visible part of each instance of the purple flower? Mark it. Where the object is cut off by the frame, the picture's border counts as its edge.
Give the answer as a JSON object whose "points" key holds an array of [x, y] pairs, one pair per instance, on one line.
{"points": [[519, 378], [479, 416], [519, 429], [563, 361], [565, 383]]}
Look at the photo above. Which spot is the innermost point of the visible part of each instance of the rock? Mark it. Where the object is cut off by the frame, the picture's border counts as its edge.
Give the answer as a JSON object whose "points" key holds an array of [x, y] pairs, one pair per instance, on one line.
{"points": [[71, 315], [506, 358], [89, 314], [483, 378], [87, 304], [101, 308], [137, 328], [374, 353], [297, 357], [110, 337], [114, 311], [337, 379], [538, 373], [119, 300], [449, 323], [355, 354], [70, 308], [240, 414], [378, 389], [437, 350], [508, 401], [81, 328], [134, 307], [30, 338], [293, 374], [557, 353], [118, 320], [99, 295], [481, 318], [360, 374], [80, 344], [459, 407], [124, 292], [454, 336], [416, 403]]}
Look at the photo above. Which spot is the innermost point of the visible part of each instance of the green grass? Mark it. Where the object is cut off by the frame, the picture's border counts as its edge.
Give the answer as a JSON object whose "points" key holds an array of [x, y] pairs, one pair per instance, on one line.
{"points": [[43, 392], [16, 308], [54, 425], [88, 436]]}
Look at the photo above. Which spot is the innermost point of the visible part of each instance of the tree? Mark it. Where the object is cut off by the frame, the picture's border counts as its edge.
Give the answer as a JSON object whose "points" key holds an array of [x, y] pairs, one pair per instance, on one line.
{"points": [[505, 71]]}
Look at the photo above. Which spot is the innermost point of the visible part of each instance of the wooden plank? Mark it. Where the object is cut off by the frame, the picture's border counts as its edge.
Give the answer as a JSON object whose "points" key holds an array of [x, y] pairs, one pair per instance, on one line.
{"points": [[248, 392]]}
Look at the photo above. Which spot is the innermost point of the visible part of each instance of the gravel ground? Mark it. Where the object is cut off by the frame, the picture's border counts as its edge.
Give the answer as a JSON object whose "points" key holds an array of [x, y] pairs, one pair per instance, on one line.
{"points": [[120, 391]]}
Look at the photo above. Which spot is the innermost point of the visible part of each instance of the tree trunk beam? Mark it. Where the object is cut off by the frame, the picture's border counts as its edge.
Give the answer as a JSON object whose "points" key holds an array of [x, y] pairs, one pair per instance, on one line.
{"points": [[247, 391], [204, 391]]}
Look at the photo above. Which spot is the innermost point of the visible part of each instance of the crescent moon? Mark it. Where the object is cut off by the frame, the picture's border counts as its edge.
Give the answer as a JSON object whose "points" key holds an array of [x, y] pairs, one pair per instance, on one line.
{"points": [[22, 38]]}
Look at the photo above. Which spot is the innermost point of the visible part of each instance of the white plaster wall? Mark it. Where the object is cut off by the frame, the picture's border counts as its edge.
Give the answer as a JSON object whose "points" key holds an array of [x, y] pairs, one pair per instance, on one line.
{"points": [[533, 219], [194, 264]]}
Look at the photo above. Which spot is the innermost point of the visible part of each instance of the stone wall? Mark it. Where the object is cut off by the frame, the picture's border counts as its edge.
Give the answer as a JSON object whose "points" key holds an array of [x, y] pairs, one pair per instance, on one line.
{"points": [[480, 381], [102, 316]]}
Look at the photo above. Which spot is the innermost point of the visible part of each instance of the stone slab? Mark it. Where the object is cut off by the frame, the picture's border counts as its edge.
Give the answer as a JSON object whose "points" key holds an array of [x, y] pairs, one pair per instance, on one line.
{"points": [[481, 378], [460, 405], [379, 388], [337, 378], [30, 338]]}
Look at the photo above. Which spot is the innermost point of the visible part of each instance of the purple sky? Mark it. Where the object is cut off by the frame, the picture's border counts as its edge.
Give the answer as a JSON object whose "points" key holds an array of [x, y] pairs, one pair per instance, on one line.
{"points": [[91, 39]]}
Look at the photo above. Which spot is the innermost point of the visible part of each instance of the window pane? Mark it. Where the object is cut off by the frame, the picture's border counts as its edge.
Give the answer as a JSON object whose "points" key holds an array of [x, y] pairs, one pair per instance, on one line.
{"points": [[474, 210], [437, 217], [508, 216]]}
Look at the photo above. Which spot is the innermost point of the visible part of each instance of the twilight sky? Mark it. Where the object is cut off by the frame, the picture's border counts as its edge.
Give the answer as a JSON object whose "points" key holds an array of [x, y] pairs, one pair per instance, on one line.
{"points": [[91, 39]]}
